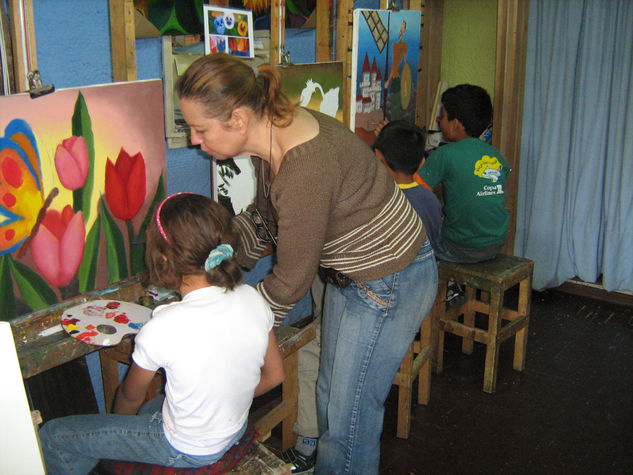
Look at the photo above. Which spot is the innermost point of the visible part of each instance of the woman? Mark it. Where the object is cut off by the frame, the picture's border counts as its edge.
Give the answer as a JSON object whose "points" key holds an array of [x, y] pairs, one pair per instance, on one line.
{"points": [[336, 207]]}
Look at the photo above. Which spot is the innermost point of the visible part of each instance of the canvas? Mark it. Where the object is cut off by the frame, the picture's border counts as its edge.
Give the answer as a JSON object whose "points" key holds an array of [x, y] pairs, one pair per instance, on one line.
{"points": [[81, 171], [316, 86], [228, 30], [385, 57]]}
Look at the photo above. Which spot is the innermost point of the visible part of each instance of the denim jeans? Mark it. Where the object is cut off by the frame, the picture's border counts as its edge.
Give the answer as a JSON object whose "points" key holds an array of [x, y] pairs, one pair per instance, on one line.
{"points": [[367, 328], [75, 444]]}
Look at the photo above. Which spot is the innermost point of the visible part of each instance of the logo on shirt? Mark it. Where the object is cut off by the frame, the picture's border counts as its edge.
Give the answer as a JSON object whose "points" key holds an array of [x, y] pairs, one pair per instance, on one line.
{"points": [[488, 167]]}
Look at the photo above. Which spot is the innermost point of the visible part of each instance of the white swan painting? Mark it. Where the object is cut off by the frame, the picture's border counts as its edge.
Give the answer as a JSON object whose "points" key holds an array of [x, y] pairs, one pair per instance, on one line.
{"points": [[329, 103]]}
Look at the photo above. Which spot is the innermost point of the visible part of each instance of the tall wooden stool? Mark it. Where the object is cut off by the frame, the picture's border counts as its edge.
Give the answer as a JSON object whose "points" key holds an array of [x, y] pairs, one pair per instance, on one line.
{"points": [[490, 279], [415, 364]]}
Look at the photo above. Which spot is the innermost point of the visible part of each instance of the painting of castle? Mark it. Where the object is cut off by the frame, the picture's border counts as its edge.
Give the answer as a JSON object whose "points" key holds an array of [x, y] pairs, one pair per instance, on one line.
{"points": [[385, 57]]}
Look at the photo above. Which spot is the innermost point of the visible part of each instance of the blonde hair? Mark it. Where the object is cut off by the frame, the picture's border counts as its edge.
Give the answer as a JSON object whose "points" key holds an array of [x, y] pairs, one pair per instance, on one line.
{"points": [[222, 83]]}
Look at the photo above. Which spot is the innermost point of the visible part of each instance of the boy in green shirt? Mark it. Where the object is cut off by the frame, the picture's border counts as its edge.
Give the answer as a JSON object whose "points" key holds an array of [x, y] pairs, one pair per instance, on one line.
{"points": [[473, 177]]}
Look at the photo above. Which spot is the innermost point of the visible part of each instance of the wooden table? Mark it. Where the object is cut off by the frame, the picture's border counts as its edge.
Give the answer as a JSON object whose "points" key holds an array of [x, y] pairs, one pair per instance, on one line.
{"points": [[290, 339]]}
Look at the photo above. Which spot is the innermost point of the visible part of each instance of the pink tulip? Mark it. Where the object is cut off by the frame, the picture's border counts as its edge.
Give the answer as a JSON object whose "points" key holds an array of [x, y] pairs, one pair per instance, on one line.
{"points": [[58, 246], [71, 162]]}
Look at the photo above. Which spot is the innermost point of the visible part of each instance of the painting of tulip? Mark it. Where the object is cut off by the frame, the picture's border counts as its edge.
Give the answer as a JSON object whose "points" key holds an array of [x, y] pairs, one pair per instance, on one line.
{"points": [[81, 172]]}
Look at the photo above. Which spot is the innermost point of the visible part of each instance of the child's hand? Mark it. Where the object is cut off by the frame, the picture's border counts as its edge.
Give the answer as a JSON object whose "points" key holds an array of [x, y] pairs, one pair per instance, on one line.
{"points": [[379, 127]]}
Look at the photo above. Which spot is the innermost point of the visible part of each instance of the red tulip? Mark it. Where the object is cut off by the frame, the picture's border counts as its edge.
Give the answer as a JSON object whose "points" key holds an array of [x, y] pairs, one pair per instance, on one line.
{"points": [[58, 246], [71, 162], [125, 185]]}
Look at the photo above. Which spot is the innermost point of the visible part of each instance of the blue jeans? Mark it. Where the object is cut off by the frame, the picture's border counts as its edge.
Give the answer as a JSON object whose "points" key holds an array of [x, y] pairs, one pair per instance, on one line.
{"points": [[366, 330], [75, 444]]}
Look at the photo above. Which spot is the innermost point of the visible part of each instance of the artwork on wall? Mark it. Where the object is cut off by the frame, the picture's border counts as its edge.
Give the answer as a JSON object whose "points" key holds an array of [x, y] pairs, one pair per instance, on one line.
{"points": [[385, 57], [81, 171], [228, 30], [316, 86], [172, 17]]}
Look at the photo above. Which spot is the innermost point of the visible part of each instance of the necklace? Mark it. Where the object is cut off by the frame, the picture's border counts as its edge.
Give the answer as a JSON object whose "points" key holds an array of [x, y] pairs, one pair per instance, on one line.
{"points": [[266, 186]]}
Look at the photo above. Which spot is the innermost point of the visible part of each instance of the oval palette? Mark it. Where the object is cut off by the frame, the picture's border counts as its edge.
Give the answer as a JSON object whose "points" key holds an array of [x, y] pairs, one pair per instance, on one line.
{"points": [[104, 322]]}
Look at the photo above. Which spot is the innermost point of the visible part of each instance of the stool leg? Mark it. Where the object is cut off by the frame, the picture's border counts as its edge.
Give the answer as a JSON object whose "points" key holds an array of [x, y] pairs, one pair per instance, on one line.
{"points": [[404, 396], [424, 376], [520, 339], [469, 319], [438, 313], [492, 347]]}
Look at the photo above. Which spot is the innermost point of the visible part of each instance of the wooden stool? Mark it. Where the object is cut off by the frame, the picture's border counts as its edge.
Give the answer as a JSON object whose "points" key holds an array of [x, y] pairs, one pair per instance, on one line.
{"points": [[492, 278], [411, 368]]}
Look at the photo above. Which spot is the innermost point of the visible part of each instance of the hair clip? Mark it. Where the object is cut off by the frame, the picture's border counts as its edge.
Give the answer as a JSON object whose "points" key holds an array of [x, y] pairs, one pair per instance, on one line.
{"points": [[217, 255]]}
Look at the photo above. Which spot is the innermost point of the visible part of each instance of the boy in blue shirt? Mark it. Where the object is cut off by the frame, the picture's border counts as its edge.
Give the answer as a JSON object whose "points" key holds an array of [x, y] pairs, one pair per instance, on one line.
{"points": [[400, 146], [473, 178]]}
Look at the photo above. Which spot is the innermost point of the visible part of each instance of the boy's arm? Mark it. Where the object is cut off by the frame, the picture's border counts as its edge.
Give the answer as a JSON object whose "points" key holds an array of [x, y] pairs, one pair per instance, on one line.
{"points": [[273, 369], [132, 390]]}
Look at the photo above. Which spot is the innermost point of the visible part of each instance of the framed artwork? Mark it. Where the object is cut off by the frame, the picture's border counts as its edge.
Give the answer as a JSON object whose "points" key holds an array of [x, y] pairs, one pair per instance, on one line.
{"points": [[81, 171], [228, 30], [316, 86], [385, 57]]}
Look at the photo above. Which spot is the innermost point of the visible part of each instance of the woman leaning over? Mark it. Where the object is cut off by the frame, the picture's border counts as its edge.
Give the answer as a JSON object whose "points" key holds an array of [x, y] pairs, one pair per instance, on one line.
{"points": [[336, 207]]}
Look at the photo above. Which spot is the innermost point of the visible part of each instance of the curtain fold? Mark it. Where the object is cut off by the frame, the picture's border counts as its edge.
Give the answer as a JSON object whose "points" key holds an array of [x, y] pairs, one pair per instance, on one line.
{"points": [[575, 199]]}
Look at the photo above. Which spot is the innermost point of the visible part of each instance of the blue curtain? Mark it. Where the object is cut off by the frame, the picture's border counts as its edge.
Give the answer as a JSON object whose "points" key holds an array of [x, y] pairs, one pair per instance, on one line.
{"points": [[575, 200]]}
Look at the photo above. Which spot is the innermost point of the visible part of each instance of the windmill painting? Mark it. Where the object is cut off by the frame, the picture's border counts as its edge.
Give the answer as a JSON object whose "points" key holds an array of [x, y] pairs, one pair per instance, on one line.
{"points": [[385, 57]]}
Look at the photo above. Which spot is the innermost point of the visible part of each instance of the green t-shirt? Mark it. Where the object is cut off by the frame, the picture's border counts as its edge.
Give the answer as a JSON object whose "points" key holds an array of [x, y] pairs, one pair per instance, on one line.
{"points": [[473, 175]]}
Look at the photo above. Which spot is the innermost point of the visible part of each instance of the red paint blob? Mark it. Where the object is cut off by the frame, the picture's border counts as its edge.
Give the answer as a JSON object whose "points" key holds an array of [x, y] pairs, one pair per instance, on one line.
{"points": [[9, 200], [12, 173]]}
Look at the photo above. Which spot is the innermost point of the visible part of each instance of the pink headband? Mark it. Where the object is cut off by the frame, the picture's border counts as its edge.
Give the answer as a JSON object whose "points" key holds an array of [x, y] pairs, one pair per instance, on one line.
{"points": [[160, 207]]}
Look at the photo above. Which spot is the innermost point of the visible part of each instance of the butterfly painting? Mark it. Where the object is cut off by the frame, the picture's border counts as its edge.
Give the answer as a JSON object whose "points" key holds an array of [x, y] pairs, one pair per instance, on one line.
{"points": [[20, 185], [81, 171]]}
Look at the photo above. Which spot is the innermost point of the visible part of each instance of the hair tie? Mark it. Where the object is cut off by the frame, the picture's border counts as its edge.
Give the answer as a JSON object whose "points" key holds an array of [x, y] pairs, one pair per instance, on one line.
{"points": [[159, 225], [217, 255]]}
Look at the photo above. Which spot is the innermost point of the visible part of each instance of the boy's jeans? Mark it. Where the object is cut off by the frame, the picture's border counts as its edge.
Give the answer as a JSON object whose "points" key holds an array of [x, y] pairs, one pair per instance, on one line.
{"points": [[75, 444], [367, 328]]}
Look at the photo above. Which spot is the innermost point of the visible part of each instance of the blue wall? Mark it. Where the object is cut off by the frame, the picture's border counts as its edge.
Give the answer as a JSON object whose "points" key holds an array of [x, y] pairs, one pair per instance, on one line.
{"points": [[73, 49]]}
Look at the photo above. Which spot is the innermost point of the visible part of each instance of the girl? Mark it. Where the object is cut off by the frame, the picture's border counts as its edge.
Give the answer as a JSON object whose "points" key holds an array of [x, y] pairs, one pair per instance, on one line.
{"points": [[335, 207], [216, 346]]}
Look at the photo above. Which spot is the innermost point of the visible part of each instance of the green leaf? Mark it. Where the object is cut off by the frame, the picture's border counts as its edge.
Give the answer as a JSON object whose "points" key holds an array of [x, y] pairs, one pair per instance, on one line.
{"points": [[33, 289], [115, 247], [88, 269], [82, 127], [137, 246], [7, 297]]}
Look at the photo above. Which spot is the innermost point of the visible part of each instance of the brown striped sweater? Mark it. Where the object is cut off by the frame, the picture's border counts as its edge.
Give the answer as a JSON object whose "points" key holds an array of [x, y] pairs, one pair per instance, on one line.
{"points": [[336, 206]]}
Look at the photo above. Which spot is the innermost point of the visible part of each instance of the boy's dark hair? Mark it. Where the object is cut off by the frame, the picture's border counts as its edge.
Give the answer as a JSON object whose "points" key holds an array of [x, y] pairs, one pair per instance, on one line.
{"points": [[470, 105], [402, 144], [194, 225]]}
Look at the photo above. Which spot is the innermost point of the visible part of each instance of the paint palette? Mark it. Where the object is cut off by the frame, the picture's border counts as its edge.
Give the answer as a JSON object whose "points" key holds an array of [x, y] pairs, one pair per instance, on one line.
{"points": [[104, 322]]}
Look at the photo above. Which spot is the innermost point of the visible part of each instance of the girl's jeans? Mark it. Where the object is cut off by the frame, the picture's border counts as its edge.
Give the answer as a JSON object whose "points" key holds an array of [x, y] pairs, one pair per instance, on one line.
{"points": [[75, 444], [367, 328]]}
